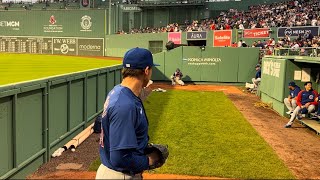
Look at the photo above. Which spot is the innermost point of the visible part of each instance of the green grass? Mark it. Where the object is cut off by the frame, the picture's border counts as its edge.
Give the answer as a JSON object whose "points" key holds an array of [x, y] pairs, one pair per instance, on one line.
{"points": [[24, 67], [208, 136]]}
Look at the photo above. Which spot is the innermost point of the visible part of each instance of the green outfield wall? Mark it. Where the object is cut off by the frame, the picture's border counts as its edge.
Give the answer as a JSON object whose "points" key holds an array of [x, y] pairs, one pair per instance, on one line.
{"points": [[54, 23], [210, 65], [278, 71], [118, 44], [40, 116], [64, 32]]}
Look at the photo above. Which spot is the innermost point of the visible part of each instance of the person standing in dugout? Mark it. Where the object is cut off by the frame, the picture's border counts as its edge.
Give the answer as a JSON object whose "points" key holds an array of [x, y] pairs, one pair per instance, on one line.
{"points": [[124, 136]]}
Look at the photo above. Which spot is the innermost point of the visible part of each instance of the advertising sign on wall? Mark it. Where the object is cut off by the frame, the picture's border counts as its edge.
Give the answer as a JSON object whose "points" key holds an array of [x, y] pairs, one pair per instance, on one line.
{"points": [[197, 35], [256, 33], [295, 31], [222, 38], [52, 45], [174, 37]]}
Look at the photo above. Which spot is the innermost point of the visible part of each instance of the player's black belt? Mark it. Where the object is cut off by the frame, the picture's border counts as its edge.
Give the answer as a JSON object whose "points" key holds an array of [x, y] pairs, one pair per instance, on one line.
{"points": [[131, 173]]}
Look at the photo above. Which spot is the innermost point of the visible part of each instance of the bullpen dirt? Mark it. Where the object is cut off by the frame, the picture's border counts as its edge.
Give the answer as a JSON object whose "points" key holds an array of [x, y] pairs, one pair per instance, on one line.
{"points": [[298, 147]]}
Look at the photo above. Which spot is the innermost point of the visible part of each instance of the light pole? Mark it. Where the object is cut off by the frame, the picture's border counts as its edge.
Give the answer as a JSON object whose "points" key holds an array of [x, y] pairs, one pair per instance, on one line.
{"points": [[109, 11]]}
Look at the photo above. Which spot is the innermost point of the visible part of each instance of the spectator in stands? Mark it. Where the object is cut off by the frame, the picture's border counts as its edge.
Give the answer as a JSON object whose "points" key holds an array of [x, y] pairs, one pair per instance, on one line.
{"points": [[291, 100], [234, 44], [295, 45], [260, 45], [177, 77], [306, 102], [309, 36]]}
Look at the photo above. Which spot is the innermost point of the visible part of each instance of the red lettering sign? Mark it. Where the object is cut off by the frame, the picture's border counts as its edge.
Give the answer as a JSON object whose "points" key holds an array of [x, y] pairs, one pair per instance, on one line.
{"points": [[222, 38], [174, 37], [256, 33]]}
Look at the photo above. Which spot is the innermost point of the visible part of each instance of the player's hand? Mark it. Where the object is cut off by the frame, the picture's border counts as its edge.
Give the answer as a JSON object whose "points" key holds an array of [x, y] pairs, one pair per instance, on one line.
{"points": [[307, 105], [147, 90], [153, 158], [290, 100]]}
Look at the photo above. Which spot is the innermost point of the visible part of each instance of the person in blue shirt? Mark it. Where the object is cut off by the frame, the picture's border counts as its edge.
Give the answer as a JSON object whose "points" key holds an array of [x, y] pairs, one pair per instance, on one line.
{"points": [[256, 80], [124, 133], [291, 100], [306, 103]]}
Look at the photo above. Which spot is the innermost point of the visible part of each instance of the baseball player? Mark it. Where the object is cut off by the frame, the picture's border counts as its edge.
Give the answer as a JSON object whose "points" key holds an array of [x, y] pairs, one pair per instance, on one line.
{"points": [[124, 134], [306, 101], [146, 91], [176, 77], [316, 116], [291, 100], [256, 80]]}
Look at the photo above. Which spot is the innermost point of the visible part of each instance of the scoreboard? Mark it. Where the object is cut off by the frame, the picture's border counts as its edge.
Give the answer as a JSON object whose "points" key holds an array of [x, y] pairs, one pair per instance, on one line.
{"points": [[52, 45]]}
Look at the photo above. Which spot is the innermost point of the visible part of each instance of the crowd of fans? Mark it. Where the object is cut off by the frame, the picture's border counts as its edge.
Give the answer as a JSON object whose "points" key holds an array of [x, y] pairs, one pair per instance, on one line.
{"points": [[303, 45], [281, 14]]}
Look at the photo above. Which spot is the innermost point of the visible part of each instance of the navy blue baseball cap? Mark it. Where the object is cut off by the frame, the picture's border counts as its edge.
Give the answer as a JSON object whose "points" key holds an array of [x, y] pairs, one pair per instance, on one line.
{"points": [[292, 84], [138, 58]]}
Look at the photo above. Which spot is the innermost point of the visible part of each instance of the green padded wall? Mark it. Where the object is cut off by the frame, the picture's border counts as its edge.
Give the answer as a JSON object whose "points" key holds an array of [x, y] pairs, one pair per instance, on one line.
{"points": [[117, 45], [214, 64], [173, 60], [58, 111], [6, 139], [276, 105], [273, 78], [92, 96], [210, 72], [29, 126], [248, 58], [76, 103], [158, 72], [53, 23], [102, 94], [191, 58], [229, 66]]}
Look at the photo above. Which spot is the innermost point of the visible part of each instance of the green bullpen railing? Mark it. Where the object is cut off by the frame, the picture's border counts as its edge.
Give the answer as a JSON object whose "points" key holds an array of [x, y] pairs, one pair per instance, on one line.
{"points": [[38, 117], [301, 51]]}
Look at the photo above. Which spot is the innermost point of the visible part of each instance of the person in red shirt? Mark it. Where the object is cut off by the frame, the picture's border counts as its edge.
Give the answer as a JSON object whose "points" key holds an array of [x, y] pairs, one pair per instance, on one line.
{"points": [[234, 44], [306, 103], [213, 27], [227, 26]]}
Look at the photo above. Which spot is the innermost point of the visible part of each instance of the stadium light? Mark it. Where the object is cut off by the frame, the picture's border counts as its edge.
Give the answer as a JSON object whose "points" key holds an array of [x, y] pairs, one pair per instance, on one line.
{"points": [[109, 27]]}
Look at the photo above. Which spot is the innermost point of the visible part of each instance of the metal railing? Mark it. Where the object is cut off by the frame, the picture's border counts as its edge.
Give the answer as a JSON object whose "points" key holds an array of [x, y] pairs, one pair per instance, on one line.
{"points": [[303, 51]]}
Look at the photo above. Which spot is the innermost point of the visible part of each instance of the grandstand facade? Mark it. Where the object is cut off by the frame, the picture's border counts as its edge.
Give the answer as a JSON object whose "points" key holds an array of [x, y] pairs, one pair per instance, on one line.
{"points": [[126, 15]]}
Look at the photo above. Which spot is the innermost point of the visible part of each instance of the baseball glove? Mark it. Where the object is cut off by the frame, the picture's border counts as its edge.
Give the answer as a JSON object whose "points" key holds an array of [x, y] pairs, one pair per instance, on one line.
{"points": [[161, 150]]}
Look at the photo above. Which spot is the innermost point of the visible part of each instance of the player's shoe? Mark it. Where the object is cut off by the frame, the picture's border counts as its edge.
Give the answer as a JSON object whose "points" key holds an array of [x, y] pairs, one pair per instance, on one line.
{"points": [[299, 117], [289, 112], [287, 126]]}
